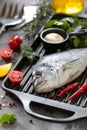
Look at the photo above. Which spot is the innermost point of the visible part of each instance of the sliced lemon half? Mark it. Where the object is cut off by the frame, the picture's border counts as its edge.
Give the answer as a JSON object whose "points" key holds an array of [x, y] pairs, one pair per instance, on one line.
{"points": [[4, 69]]}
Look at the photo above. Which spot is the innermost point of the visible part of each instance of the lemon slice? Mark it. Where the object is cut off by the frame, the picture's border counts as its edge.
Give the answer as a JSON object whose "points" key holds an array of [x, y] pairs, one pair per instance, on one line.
{"points": [[4, 69]]}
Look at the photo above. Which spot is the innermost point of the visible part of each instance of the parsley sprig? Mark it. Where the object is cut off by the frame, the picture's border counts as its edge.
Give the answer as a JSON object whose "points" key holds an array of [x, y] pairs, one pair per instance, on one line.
{"points": [[8, 119], [28, 52]]}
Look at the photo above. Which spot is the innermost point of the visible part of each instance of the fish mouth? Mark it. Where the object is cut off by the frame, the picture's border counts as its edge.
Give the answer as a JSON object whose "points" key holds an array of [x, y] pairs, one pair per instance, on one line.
{"points": [[39, 83], [40, 87]]}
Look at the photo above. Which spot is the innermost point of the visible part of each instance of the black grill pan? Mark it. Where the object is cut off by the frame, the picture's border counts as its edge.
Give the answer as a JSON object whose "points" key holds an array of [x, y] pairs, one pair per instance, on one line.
{"points": [[46, 106]]}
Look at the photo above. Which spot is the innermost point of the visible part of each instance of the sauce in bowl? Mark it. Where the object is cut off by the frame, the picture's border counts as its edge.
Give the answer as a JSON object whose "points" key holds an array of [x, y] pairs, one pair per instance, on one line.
{"points": [[53, 38]]}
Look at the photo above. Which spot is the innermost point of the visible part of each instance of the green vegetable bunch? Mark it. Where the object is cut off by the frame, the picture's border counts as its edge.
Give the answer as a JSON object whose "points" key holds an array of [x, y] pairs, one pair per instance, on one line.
{"points": [[58, 24], [69, 24], [8, 119]]}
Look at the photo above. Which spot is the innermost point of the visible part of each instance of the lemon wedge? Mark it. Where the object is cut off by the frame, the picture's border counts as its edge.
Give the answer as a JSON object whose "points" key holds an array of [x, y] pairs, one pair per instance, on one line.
{"points": [[4, 69]]}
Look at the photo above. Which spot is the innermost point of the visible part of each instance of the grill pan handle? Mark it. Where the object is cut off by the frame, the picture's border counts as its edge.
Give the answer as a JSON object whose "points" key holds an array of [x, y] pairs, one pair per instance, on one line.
{"points": [[28, 110], [26, 100], [68, 119]]}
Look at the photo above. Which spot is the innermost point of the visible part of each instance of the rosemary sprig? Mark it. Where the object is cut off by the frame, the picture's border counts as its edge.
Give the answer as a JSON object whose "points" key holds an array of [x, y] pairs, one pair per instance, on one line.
{"points": [[44, 10]]}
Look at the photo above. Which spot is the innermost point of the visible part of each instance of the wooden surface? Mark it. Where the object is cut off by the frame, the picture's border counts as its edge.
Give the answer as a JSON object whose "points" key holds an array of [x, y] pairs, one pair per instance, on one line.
{"points": [[24, 120]]}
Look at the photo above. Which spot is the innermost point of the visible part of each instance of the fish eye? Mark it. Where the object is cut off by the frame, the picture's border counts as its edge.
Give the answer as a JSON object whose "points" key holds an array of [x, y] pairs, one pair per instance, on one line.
{"points": [[38, 74]]}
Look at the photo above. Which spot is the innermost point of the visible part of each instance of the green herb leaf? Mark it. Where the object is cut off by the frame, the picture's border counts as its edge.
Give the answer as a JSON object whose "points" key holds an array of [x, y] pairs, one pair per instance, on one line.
{"points": [[75, 41], [28, 52], [78, 41], [58, 24], [51, 23], [8, 119]]}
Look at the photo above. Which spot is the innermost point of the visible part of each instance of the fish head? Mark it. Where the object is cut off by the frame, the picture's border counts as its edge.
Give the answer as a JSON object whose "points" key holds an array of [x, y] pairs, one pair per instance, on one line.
{"points": [[44, 78]]}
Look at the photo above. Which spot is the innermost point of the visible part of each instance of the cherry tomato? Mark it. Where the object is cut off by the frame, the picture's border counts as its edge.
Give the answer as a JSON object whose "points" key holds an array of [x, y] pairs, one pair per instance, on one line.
{"points": [[15, 42], [15, 76], [18, 39], [6, 53]]}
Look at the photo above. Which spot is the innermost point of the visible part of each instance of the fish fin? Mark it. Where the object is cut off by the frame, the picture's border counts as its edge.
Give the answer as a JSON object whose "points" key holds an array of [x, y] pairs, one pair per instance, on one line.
{"points": [[69, 64]]}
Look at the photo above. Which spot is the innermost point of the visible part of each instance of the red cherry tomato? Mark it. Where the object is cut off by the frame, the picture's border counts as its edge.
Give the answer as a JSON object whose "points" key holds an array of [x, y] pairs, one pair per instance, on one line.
{"points": [[15, 76], [15, 42], [18, 39], [6, 53]]}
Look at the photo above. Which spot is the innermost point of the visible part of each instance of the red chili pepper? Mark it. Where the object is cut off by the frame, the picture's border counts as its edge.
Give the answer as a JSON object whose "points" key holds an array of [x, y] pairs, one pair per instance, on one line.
{"points": [[81, 90], [68, 88]]}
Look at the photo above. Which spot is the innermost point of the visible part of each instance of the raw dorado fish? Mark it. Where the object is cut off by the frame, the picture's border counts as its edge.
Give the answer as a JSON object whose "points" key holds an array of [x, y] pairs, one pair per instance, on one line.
{"points": [[55, 70]]}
